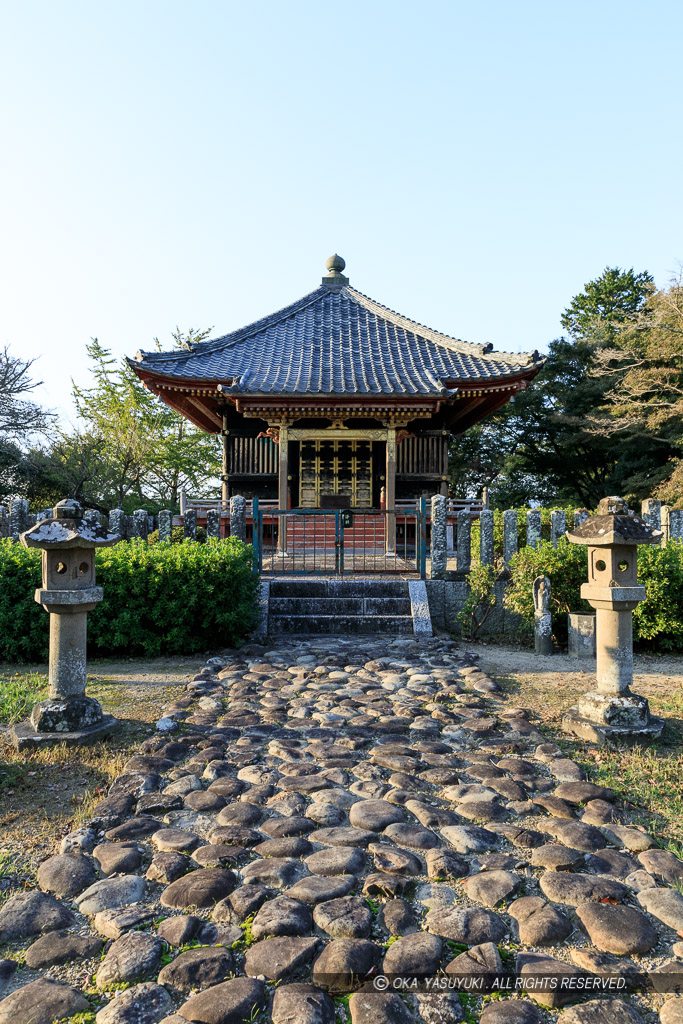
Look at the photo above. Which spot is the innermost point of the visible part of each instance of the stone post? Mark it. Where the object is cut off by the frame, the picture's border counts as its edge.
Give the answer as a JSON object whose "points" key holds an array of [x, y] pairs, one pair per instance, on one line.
{"points": [[581, 635], [213, 524], [464, 541], [140, 523], [117, 522], [68, 543], [238, 517], [666, 533], [509, 535], [651, 511], [676, 524], [18, 515], [4, 521], [580, 516], [543, 624], [190, 524], [558, 525], [165, 525], [533, 528], [486, 537], [438, 541], [612, 711]]}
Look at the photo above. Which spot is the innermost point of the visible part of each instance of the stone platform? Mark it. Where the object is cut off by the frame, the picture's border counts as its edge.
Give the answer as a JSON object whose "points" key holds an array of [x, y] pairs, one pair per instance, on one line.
{"points": [[325, 817]]}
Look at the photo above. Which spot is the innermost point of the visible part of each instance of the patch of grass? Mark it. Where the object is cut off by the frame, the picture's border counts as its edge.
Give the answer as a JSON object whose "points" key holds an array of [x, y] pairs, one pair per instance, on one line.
{"points": [[18, 693], [648, 778]]}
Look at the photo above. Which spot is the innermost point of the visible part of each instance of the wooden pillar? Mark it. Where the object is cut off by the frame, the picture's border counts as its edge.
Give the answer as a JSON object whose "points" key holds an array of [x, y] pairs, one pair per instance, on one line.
{"points": [[390, 490], [283, 486], [224, 480], [444, 464]]}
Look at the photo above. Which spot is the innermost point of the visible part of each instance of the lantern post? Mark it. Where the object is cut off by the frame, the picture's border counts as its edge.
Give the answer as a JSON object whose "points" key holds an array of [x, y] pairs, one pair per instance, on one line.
{"points": [[68, 543], [611, 712]]}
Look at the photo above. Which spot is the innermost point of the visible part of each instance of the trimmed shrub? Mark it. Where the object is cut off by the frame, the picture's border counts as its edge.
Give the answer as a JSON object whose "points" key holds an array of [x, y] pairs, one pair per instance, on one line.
{"points": [[657, 621], [158, 599]]}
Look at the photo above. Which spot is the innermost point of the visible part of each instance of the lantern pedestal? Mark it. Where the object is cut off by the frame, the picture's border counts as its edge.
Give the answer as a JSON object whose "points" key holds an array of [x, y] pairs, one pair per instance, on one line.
{"points": [[68, 543], [612, 713]]}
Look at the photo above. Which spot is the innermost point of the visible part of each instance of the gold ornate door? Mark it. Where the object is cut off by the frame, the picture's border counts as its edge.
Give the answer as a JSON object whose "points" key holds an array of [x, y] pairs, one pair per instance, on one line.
{"points": [[335, 469]]}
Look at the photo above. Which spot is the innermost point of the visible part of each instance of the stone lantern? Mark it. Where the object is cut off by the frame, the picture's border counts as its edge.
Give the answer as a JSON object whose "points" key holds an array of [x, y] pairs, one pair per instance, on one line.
{"points": [[612, 712], [68, 543]]}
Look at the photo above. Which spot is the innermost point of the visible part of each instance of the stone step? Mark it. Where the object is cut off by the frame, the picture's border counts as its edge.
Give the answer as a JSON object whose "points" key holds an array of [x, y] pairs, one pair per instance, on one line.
{"points": [[280, 625], [307, 587], [339, 606]]}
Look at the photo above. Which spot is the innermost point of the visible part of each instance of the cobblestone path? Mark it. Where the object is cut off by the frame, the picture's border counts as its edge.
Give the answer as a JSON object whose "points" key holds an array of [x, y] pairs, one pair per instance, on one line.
{"points": [[337, 815]]}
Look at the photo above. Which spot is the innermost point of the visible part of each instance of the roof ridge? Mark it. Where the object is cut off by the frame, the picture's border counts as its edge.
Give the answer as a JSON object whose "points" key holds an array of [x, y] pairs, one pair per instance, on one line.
{"points": [[454, 344], [232, 337]]}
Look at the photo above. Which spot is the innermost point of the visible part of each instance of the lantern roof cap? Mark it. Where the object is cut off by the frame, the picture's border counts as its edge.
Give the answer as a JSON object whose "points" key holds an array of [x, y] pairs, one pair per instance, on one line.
{"points": [[614, 524], [68, 529]]}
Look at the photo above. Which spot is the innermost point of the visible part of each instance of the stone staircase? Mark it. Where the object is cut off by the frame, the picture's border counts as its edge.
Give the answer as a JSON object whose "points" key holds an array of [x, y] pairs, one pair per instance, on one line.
{"points": [[338, 606]]}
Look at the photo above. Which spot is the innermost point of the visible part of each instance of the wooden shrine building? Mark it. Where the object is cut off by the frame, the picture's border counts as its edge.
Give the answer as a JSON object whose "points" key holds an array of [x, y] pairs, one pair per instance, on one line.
{"points": [[335, 401]]}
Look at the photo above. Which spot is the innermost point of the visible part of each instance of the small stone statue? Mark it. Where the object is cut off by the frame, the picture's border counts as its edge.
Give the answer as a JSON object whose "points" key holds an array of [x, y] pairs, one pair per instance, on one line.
{"points": [[543, 627]]}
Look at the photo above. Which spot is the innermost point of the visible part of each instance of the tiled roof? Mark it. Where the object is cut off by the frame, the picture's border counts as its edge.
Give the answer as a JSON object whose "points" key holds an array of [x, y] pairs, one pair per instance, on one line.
{"points": [[336, 341]]}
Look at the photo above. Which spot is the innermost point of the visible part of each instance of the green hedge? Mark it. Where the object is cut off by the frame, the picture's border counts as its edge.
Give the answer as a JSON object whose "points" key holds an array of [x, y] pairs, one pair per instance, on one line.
{"points": [[158, 599], [657, 621]]}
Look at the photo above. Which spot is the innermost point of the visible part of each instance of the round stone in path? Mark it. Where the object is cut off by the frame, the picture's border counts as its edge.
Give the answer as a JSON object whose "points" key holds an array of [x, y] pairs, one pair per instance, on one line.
{"points": [[470, 925], [146, 1003], [664, 865], [241, 814], [32, 913], [130, 958], [197, 969], [166, 866], [289, 826], [276, 871], [40, 1002], [176, 840], [303, 1004], [672, 1011], [347, 918], [66, 874], [555, 857], [218, 855], [573, 889], [343, 836], [134, 828], [416, 954], [60, 947], [340, 860], [538, 922], [234, 835], [319, 888], [176, 931], [290, 846], [204, 800], [375, 815], [202, 888], [469, 838], [282, 916], [443, 863], [611, 862], [383, 1008], [276, 958], [576, 834], [666, 905], [111, 893], [620, 930], [343, 960], [482, 959], [117, 858], [397, 917], [236, 1000], [511, 1011], [388, 858], [412, 836], [492, 887], [600, 1011]]}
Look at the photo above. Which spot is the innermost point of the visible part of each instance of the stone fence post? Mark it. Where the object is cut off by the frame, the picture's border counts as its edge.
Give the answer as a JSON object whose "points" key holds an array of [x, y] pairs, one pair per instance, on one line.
{"points": [[438, 540], [580, 516], [238, 517], [213, 524], [510, 535], [18, 517], [140, 523], [464, 541], [4, 521], [190, 524], [558, 526], [486, 537], [165, 524], [676, 524], [117, 522], [651, 512], [533, 528]]}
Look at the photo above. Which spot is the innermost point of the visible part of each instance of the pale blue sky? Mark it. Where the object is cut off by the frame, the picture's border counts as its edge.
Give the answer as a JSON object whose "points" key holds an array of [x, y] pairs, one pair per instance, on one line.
{"points": [[195, 163]]}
